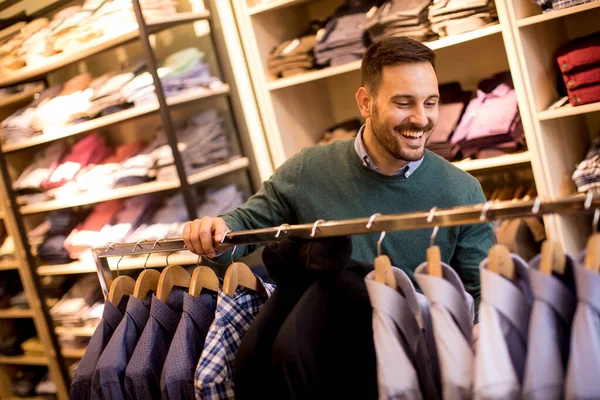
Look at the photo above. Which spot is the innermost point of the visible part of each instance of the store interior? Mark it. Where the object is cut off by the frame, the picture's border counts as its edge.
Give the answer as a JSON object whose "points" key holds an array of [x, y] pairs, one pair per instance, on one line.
{"points": [[93, 154]]}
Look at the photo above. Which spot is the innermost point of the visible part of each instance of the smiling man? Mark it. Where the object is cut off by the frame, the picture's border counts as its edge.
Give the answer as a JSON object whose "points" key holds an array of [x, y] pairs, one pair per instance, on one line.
{"points": [[386, 170]]}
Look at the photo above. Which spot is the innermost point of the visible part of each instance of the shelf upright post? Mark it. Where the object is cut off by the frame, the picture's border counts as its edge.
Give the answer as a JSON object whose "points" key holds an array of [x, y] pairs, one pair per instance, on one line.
{"points": [[165, 116]]}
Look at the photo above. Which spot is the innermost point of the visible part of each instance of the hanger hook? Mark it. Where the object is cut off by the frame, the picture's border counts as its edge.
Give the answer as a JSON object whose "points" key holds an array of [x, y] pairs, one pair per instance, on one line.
{"points": [[596, 218], [233, 253], [589, 197], [118, 262], [109, 247], [153, 247], [435, 228], [136, 246], [485, 209], [379, 242], [372, 220], [280, 229], [167, 259], [314, 228], [225, 235], [536, 205]]}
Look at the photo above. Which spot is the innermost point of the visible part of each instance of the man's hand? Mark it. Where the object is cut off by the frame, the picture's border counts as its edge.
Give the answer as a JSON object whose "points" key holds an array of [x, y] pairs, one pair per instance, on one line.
{"points": [[198, 235]]}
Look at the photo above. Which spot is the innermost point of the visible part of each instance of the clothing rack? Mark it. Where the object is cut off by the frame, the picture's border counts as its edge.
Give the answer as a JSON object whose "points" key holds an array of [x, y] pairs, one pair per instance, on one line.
{"points": [[463, 215]]}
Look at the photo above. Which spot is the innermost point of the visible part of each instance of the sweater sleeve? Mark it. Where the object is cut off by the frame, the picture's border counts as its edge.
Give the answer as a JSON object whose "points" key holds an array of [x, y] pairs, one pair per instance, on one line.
{"points": [[474, 243], [274, 204]]}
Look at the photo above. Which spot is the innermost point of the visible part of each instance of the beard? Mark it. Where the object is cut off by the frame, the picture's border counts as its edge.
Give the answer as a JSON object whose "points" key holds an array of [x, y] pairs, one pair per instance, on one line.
{"points": [[392, 143]]}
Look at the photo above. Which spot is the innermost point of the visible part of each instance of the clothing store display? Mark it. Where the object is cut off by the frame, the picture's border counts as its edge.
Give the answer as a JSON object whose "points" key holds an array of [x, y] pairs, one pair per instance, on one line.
{"points": [[453, 101], [46, 387], [233, 316], [584, 364], [177, 379], [33, 347], [19, 301], [453, 17], [81, 386], [292, 188], [452, 314], [135, 210], [142, 375], [587, 173], [400, 18], [501, 349], [74, 307], [492, 119], [343, 38], [108, 381], [406, 362], [59, 224], [549, 331], [522, 236], [44, 163], [27, 378], [296, 55], [7, 249], [579, 65]]}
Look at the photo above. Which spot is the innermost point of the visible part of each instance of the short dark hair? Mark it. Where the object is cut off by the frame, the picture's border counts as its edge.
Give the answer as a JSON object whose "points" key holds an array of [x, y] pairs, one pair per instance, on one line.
{"points": [[391, 51]]}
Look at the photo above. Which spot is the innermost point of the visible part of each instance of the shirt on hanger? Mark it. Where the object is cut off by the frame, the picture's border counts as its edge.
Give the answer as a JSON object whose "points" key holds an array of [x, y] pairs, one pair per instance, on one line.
{"points": [[583, 368], [233, 317], [549, 331], [82, 381], [399, 343], [452, 313], [142, 375], [109, 376], [177, 380], [503, 325]]}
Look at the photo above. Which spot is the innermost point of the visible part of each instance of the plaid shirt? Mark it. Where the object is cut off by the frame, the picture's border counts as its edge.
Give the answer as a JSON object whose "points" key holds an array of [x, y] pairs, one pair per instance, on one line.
{"points": [[233, 317]]}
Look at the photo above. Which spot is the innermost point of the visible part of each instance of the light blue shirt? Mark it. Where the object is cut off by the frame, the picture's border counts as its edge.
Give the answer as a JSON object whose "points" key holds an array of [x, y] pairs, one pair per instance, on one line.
{"points": [[361, 150]]}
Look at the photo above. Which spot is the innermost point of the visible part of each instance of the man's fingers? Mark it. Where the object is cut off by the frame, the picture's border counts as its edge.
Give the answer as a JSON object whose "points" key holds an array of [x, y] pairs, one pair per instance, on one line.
{"points": [[195, 237], [205, 236]]}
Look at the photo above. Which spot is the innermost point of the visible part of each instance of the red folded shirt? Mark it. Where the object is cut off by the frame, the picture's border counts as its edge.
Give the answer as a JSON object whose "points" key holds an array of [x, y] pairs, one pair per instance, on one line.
{"points": [[582, 77], [584, 95], [579, 53]]}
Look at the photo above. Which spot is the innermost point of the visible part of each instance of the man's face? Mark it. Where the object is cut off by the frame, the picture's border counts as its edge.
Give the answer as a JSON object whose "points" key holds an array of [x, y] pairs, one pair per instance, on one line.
{"points": [[404, 110]]}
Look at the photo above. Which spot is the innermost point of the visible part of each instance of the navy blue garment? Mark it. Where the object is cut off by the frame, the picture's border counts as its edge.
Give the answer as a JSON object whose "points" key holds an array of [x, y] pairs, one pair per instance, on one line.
{"points": [[142, 375], [111, 317], [177, 380], [109, 377]]}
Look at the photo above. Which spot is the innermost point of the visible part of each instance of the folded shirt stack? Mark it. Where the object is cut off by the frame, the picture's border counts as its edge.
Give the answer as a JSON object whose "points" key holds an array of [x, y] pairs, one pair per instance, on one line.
{"points": [[587, 174], [400, 18], [343, 39], [579, 63], [59, 224], [343, 131], [11, 40], [136, 210], [14, 90], [453, 101], [44, 162], [26, 380], [73, 307], [453, 17], [552, 5], [491, 125], [294, 56]]}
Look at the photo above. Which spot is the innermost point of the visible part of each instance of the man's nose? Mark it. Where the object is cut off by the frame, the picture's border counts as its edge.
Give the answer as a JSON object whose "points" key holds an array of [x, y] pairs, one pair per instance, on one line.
{"points": [[418, 116]]}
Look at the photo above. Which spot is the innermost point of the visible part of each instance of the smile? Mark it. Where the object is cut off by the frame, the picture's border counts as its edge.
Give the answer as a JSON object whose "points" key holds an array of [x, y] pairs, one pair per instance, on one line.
{"points": [[412, 134]]}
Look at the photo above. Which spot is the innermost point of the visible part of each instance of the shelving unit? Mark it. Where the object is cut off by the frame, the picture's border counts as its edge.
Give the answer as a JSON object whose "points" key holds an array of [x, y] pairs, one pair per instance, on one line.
{"points": [[508, 160], [563, 135], [208, 25], [22, 96]]}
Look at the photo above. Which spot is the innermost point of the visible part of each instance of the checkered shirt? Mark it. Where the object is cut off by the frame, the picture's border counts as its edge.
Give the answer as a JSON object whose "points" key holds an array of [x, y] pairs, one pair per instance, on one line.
{"points": [[233, 317], [560, 4]]}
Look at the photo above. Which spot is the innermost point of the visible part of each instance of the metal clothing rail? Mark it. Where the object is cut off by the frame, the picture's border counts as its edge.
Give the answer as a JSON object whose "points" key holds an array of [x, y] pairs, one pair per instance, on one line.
{"points": [[463, 215]]}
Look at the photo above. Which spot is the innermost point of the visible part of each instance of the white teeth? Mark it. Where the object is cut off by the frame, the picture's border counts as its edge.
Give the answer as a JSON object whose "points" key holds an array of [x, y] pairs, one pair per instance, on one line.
{"points": [[412, 134]]}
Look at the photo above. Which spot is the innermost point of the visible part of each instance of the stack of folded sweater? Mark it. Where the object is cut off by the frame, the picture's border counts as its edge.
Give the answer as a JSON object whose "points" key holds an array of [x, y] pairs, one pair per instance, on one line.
{"points": [[453, 17], [400, 18], [587, 174], [453, 101], [296, 55], [342, 131], [579, 63], [343, 39], [74, 307], [491, 125], [55, 230], [550, 5]]}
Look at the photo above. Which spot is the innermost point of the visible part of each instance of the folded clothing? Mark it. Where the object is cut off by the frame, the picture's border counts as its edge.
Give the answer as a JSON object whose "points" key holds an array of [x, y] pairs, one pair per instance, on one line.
{"points": [[73, 307], [59, 224], [26, 380], [295, 55], [579, 63], [44, 162], [400, 18], [342, 131], [587, 173]]}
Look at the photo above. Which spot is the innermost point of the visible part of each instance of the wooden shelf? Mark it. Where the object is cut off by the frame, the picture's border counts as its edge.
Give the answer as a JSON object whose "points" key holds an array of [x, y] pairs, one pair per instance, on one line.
{"points": [[355, 65], [9, 264], [550, 15], [97, 46], [15, 312], [130, 191], [568, 111], [86, 331], [23, 360], [273, 5], [128, 263], [24, 95], [73, 353], [494, 162], [122, 116]]}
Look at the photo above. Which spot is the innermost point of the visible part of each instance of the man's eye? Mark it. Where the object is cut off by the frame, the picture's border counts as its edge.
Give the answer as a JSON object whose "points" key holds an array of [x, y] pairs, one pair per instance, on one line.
{"points": [[431, 104], [403, 104]]}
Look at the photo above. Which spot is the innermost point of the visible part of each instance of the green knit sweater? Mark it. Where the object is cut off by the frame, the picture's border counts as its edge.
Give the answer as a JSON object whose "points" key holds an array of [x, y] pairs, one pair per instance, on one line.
{"points": [[330, 182]]}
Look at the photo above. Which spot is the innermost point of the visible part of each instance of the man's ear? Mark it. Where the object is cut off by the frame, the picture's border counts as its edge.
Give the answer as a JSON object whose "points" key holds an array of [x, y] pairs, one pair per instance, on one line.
{"points": [[363, 101]]}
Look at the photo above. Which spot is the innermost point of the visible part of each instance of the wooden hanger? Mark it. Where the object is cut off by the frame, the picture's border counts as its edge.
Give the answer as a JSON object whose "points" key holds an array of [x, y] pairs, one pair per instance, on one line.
{"points": [[239, 274], [592, 253], [552, 258], [500, 262], [147, 281], [203, 278], [519, 193], [122, 286], [433, 254], [383, 265], [173, 275]]}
